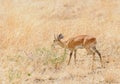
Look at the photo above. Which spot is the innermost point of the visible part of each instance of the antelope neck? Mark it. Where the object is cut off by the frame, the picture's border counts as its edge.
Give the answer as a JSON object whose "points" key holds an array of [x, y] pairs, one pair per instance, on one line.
{"points": [[62, 44]]}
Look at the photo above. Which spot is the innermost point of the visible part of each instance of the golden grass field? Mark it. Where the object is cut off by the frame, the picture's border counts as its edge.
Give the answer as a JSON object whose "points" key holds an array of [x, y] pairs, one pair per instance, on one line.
{"points": [[27, 29]]}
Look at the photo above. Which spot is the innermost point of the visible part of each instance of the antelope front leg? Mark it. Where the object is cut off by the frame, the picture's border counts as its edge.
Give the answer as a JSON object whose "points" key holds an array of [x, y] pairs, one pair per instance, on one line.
{"points": [[70, 57], [75, 56]]}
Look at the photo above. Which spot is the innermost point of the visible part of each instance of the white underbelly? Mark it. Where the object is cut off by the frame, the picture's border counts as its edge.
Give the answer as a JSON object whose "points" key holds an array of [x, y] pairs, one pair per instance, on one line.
{"points": [[79, 47]]}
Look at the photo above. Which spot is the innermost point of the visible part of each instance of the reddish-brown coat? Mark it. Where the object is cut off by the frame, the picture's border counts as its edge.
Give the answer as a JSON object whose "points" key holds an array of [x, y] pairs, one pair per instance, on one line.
{"points": [[83, 40]]}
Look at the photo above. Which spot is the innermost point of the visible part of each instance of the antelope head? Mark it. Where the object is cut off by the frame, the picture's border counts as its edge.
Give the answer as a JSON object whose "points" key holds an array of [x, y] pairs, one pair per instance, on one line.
{"points": [[57, 40]]}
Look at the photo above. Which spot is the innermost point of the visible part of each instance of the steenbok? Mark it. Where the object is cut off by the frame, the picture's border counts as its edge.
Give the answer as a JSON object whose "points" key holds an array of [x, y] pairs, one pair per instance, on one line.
{"points": [[80, 41]]}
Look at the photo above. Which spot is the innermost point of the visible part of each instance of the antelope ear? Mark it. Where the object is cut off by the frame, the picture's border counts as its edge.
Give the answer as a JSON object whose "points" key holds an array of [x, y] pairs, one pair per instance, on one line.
{"points": [[60, 36]]}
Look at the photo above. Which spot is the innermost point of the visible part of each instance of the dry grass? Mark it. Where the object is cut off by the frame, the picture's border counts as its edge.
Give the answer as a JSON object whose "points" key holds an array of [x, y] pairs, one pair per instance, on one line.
{"points": [[27, 30], [110, 77]]}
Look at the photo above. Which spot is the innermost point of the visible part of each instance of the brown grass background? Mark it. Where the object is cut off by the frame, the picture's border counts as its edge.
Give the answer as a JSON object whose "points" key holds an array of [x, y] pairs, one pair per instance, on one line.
{"points": [[27, 29]]}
